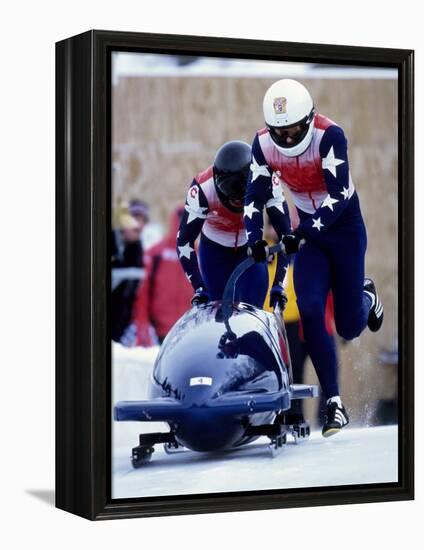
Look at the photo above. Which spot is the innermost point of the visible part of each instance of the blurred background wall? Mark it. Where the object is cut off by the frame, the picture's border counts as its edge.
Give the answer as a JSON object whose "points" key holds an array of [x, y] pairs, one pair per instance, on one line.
{"points": [[167, 127]]}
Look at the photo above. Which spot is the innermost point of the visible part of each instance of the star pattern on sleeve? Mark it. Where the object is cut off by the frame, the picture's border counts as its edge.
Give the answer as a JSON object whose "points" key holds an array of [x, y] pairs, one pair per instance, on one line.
{"points": [[258, 170], [328, 202], [185, 251], [333, 150], [263, 193], [345, 193], [317, 223], [250, 209], [278, 198], [193, 207], [330, 162]]}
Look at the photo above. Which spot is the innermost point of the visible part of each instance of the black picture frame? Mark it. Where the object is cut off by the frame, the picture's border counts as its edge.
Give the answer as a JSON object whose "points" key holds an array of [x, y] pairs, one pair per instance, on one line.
{"points": [[83, 174]]}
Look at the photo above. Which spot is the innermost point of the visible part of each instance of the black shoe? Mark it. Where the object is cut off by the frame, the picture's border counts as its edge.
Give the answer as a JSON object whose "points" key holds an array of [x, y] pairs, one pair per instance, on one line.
{"points": [[376, 314], [336, 418]]}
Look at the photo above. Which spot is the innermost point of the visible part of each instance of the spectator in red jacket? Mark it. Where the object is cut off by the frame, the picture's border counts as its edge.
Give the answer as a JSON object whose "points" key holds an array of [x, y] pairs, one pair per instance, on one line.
{"points": [[165, 293]]}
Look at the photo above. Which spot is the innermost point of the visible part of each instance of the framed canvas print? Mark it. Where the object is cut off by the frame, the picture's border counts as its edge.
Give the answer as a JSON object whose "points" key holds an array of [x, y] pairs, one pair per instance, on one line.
{"points": [[234, 274]]}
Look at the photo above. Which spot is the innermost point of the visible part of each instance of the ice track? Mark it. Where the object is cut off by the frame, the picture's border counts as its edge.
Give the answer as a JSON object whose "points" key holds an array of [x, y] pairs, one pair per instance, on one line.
{"points": [[354, 456]]}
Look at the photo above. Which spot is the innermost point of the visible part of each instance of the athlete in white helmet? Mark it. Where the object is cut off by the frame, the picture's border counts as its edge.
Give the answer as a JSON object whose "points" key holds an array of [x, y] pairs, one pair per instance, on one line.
{"points": [[289, 117], [306, 152]]}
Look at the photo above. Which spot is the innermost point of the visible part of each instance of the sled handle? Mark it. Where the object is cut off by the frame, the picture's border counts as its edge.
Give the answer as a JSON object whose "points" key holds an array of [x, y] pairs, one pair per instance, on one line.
{"points": [[230, 287]]}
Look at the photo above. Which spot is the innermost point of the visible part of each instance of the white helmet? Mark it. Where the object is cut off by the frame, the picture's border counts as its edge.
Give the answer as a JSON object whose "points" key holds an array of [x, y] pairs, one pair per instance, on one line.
{"points": [[287, 103]]}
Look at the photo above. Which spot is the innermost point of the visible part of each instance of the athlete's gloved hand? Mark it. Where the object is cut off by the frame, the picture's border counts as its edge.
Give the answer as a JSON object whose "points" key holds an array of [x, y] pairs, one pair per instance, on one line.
{"points": [[201, 296], [292, 243], [259, 251], [277, 296]]}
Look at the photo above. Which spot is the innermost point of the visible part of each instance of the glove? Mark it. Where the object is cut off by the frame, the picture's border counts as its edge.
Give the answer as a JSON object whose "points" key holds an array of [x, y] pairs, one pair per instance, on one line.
{"points": [[292, 243], [201, 296], [277, 296], [259, 251]]}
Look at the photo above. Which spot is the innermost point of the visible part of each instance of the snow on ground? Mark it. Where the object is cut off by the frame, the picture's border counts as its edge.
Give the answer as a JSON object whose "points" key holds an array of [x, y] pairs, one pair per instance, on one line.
{"points": [[354, 456]]}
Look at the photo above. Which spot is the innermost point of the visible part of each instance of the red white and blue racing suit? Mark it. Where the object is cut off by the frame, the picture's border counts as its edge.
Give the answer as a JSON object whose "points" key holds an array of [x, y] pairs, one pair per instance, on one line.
{"points": [[223, 244], [331, 223]]}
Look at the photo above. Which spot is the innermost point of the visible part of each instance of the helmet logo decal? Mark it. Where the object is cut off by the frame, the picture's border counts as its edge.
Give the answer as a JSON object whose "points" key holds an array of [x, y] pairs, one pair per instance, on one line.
{"points": [[280, 105]]}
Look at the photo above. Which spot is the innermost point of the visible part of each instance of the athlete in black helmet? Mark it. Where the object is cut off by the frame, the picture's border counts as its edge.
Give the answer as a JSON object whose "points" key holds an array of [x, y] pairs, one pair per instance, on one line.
{"points": [[214, 210], [230, 171]]}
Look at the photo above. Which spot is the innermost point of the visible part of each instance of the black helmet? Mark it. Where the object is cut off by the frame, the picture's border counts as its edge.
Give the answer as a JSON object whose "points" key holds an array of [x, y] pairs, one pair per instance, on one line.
{"points": [[231, 168]]}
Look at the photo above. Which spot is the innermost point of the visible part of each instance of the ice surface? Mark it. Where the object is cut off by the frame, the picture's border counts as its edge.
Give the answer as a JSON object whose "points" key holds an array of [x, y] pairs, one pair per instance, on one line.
{"points": [[354, 456]]}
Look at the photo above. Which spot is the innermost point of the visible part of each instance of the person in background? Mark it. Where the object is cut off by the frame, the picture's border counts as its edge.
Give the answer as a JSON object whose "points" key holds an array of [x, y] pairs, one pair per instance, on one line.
{"points": [[163, 296], [151, 233], [127, 252], [139, 210]]}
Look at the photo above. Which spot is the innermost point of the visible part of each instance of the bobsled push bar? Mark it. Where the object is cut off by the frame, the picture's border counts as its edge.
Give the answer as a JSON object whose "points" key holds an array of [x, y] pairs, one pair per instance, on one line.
{"points": [[230, 288]]}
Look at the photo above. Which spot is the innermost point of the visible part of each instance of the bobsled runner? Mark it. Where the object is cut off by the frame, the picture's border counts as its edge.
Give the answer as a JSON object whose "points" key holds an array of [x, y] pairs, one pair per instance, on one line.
{"points": [[222, 379]]}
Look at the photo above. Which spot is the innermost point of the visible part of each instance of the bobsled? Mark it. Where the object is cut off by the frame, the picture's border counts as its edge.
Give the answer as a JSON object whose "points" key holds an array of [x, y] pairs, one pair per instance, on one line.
{"points": [[222, 379]]}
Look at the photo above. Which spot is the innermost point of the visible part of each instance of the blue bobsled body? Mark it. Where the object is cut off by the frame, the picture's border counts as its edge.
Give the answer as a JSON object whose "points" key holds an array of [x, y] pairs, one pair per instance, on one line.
{"points": [[218, 373]]}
